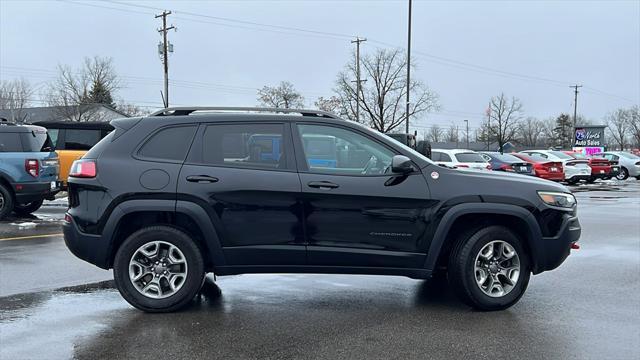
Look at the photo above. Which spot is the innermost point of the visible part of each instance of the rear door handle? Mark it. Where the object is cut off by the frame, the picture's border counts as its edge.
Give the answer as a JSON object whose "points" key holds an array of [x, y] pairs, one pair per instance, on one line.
{"points": [[325, 185], [203, 179]]}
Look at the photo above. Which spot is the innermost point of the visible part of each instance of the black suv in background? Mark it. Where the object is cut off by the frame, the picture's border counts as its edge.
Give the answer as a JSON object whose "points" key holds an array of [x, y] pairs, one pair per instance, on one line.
{"points": [[185, 191]]}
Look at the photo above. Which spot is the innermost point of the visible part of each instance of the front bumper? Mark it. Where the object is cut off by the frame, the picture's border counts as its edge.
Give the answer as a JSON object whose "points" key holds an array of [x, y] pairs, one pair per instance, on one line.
{"points": [[557, 248], [35, 191], [90, 248]]}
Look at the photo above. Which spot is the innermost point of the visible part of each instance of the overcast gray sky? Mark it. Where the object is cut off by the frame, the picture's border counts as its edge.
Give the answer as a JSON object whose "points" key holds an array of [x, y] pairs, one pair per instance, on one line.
{"points": [[466, 51]]}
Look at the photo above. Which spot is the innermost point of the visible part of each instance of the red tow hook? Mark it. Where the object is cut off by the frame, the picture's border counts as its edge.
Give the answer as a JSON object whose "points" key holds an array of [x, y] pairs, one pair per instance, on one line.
{"points": [[575, 246]]}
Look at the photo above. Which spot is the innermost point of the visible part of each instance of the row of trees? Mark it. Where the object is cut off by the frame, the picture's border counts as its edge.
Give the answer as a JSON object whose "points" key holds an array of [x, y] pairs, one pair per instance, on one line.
{"points": [[72, 92], [381, 98]]}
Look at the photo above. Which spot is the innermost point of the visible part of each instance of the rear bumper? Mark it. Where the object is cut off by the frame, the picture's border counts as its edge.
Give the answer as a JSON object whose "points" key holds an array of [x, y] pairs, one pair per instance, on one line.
{"points": [[29, 192], [557, 248], [550, 176], [90, 248]]}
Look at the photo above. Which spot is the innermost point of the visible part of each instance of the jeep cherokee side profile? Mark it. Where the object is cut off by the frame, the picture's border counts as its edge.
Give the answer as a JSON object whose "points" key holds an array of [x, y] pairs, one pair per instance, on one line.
{"points": [[165, 199]]}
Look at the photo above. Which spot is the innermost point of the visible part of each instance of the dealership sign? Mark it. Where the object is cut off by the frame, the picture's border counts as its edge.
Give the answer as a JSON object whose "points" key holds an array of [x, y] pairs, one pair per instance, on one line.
{"points": [[589, 136]]}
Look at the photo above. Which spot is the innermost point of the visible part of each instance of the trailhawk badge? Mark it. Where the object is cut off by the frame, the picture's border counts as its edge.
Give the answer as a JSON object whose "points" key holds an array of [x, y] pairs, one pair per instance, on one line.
{"points": [[435, 175]]}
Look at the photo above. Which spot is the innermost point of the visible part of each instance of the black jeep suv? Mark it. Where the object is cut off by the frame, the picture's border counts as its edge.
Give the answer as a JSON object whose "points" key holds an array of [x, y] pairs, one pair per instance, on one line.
{"points": [[167, 198]]}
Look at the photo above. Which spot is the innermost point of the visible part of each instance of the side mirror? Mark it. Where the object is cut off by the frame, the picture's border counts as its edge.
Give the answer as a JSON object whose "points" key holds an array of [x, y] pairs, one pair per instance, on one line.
{"points": [[401, 164]]}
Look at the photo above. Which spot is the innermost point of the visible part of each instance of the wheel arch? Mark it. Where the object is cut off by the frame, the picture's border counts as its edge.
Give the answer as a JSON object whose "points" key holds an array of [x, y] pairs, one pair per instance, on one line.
{"points": [[469, 217], [132, 215]]}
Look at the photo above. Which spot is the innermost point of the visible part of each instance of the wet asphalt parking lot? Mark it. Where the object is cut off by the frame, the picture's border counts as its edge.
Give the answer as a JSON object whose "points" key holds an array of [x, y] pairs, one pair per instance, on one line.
{"points": [[54, 306]]}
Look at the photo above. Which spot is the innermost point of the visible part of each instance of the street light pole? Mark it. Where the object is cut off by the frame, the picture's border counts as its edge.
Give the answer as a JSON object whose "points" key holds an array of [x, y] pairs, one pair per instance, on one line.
{"points": [[408, 68]]}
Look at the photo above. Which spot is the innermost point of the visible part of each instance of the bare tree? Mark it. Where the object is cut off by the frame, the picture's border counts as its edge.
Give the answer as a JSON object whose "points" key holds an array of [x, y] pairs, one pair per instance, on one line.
{"points": [[504, 115], [71, 92], [530, 130], [382, 98], [281, 96], [15, 95], [548, 134], [435, 133], [634, 124], [331, 104], [132, 110], [618, 126], [452, 133]]}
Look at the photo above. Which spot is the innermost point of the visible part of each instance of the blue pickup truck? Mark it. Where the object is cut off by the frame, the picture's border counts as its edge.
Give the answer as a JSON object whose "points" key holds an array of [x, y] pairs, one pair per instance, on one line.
{"points": [[29, 168]]}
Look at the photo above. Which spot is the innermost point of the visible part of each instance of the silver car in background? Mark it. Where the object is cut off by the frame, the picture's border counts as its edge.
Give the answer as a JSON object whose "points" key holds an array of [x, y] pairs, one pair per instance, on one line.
{"points": [[629, 163]]}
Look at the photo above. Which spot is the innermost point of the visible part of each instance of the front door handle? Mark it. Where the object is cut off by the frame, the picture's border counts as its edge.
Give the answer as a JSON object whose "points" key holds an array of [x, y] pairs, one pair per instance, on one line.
{"points": [[203, 179], [325, 185]]}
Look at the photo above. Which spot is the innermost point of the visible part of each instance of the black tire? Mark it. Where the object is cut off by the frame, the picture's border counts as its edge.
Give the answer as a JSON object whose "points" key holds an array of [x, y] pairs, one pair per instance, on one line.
{"points": [[28, 208], [623, 175], [462, 269], [192, 283], [591, 180], [572, 181], [6, 202]]}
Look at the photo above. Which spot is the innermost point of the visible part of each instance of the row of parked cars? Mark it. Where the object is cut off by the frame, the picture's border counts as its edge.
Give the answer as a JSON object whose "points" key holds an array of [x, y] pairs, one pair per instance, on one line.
{"points": [[566, 166], [35, 160]]}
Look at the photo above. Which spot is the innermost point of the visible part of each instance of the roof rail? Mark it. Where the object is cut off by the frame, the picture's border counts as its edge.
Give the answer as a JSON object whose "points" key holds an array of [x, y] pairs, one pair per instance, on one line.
{"points": [[186, 110]]}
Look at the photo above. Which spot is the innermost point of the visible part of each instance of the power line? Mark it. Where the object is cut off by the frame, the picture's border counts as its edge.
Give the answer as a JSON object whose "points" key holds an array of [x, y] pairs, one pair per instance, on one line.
{"points": [[340, 36]]}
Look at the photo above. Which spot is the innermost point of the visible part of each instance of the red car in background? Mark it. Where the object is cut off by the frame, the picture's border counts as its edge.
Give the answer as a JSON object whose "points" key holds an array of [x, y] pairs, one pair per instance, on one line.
{"points": [[543, 168], [600, 167]]}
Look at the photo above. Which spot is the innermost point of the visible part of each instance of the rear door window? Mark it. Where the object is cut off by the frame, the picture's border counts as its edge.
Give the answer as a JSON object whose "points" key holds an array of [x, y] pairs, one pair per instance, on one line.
{"points": [[80, 139], [169, 144], [445, 157], [259, 146], [470, 158], [10, 142]]}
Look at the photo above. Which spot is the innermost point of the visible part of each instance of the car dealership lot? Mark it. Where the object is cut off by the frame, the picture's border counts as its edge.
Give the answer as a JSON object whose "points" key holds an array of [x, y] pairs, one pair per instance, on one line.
{"points": [[588, 308]]}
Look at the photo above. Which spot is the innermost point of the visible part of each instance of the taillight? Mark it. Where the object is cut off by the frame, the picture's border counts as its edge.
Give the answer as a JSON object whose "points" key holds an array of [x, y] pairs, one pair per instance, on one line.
{"points": [[462, 166], [489, 167], [503, 167], [32, 167], [83, 169]]}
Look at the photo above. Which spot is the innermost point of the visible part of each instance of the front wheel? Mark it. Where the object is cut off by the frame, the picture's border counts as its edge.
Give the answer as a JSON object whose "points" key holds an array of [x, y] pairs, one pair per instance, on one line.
{"points": [[28, 208], [489, 270], [158, 269], [623, 175]]}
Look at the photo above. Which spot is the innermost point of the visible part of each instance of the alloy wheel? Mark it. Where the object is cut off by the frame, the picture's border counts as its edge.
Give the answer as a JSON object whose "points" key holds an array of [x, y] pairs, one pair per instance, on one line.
{"points": [[497, 268], [1, 201], [158, 269]]}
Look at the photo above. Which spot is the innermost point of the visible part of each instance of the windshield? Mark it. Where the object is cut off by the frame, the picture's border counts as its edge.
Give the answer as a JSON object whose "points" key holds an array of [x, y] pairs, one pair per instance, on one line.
{"points": [[561, 155], [578, 155], [470, 157], [628, 155], [403, 146]]}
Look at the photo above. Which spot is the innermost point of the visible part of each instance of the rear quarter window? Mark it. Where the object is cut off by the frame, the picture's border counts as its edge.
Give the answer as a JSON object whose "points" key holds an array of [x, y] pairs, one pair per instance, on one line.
{"points": [[80, 139], [10, 142], [168, 144], [37, 141]]}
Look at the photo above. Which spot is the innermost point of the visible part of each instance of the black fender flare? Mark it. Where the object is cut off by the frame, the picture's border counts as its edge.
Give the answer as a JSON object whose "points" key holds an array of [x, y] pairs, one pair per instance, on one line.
{"points": [[440, 236], [190, 209]]}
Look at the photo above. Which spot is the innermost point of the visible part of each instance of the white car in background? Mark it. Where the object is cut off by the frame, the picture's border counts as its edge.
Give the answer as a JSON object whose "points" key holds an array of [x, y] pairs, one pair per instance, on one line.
{"points": [[574, 169], [629, 163], [460, 159]]}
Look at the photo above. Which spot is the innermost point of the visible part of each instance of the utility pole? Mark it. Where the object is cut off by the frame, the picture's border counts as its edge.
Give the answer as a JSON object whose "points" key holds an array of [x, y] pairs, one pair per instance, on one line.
{"points": [[575, 114], [467, 132], [357, 41], [165, 54], [408, 67]]}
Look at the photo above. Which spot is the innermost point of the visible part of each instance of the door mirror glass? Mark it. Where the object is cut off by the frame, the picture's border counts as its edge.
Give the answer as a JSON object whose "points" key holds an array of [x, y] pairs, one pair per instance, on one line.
{"points": [[401, 164]]}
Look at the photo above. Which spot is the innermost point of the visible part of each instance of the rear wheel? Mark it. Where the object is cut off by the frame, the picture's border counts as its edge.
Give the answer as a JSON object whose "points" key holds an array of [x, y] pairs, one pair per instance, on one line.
{"points": [[6, 202], [623, 175], [591, 180], [28, 208], [158, 269], [489, 270]]}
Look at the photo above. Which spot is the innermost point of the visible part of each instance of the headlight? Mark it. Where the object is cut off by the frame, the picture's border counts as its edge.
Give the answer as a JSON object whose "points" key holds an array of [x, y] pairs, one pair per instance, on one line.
{"points": [[558, 199]]}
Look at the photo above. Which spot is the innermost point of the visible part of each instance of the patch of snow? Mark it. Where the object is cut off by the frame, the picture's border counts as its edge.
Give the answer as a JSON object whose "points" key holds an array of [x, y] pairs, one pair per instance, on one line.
{"points": [[25, 225]]}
